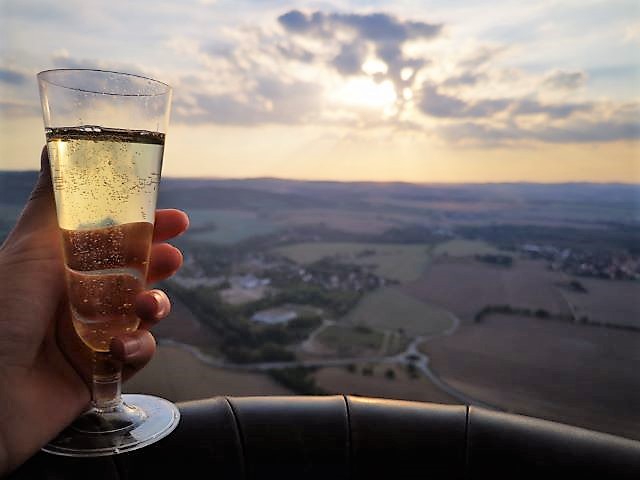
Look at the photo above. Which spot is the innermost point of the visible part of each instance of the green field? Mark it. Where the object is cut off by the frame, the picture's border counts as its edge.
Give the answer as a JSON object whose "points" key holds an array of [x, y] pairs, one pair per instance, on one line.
{"points": [[227, 226], [348, 340], [390, 309], [403, 263], [464, 248]]}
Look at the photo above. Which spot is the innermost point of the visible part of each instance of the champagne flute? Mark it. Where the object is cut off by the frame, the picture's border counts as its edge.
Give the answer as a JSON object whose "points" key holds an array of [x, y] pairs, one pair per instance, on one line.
{"points": [[105, 135]]}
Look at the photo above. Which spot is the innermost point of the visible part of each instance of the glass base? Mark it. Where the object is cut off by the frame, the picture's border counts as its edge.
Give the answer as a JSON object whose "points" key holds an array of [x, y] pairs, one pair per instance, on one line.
{"points": [[140, 421]]}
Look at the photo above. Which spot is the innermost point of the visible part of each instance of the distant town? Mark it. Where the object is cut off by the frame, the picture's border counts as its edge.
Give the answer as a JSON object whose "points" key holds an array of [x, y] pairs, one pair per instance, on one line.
{"points": [[599, 264]]}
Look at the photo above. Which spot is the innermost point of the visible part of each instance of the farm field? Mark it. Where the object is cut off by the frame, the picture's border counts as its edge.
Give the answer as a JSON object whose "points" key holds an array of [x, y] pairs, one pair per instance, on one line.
{"points": [[464, 286], [614, 302], [348, 341], [177, 375], [403, 263], [401, 387], [585, 376], [181, 325], [464, 248], [226, 226], [392, 309], [441, 205], [347, 220]]}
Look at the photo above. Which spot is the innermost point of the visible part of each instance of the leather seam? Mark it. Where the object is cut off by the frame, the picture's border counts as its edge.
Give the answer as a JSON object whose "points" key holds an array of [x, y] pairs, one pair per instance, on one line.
{"points": [[236, 421], [349, 439], [466, 443]]}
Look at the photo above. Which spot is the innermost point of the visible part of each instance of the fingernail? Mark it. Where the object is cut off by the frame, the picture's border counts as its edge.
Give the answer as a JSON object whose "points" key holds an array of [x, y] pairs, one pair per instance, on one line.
{"points": [[130, 345], [161, 304]]}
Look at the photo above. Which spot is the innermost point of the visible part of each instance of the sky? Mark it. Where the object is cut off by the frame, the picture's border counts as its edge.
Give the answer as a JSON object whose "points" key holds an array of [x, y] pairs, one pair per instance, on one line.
{"points": [[404, 90]]}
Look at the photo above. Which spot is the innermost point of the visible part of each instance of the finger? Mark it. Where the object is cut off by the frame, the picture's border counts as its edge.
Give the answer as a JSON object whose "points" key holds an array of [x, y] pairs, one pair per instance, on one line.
{"points": [[151, 307], [169, 223], [67, 339], [134, 350], [165, 261]]}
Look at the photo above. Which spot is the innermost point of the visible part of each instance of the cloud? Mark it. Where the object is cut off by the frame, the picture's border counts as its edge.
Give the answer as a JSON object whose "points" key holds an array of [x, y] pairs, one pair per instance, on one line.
{"points": [[576, 132], [271, 101], [479, 134], [481, 56], [559, 110], [293, 51], [254, 75], [359, 36], [376, 27], [350, 59], [464, 79], [19, 109], [500, 121], [297, 22], [299, 74], [590, 132], [63, 59], [12, 76], [437, 104], [563, 80], [632, 33], [384, 28]]}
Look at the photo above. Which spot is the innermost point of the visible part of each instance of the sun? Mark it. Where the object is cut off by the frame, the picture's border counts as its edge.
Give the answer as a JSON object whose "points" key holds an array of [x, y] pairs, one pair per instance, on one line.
{"points": [[364, 92]]}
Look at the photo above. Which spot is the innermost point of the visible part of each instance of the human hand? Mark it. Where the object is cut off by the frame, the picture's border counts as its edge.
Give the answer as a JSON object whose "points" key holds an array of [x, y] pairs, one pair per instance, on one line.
{"points": [[44, 366]]}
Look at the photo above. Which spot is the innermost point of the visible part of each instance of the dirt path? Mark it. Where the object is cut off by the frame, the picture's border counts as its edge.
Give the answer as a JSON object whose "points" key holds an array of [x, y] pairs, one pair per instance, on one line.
{"points": [[310, 345]]}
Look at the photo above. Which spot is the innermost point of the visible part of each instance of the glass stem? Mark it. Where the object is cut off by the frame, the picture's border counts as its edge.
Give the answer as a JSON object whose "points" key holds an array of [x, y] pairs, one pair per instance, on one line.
{"points": [[106, 382]]}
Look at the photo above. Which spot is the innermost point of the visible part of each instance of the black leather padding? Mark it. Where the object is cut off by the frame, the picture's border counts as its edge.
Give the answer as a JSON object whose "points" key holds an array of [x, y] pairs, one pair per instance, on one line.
{"points": [[206, 436], [357, 438], [400, 439], [505, 446], [294, 437], [43, 466]]}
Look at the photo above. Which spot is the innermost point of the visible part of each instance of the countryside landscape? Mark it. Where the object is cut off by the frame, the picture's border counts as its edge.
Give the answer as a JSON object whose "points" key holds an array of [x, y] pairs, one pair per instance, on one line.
{"points": [[517, 297]]}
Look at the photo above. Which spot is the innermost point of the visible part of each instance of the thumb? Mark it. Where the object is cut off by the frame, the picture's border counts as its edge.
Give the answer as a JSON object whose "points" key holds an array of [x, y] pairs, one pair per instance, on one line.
{"points": [[43, 188]]}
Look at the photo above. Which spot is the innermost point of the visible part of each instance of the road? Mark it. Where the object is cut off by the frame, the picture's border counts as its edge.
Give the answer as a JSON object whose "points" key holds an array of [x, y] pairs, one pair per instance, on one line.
{"points": [[411, 355], [421, 362]]}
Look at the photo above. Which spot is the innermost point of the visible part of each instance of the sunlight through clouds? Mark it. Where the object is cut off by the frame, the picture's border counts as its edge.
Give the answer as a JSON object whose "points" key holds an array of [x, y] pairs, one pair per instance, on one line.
{"points": [[448, 77], [364, 92]]}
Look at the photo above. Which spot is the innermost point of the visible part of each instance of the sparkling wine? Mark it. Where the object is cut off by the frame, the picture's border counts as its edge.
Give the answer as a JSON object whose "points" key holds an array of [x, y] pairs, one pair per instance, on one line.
{"points": [[106, 269], [105, 183]]}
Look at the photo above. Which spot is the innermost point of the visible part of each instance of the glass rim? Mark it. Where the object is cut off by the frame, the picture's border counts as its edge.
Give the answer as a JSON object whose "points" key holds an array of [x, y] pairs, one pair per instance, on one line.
{"points": [[45, 74]]}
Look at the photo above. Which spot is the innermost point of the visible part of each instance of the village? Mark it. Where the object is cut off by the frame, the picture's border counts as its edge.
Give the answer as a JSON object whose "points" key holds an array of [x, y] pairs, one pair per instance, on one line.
{"points": [[258, 277], [598, 263]]}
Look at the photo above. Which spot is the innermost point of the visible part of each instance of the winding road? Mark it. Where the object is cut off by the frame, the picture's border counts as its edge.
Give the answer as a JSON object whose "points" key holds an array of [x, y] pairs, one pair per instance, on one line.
{"points": [[411, 355]]}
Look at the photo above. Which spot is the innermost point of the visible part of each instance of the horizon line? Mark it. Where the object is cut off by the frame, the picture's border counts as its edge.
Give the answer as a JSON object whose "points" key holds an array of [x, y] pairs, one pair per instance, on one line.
{"points": [[381, 182]]}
